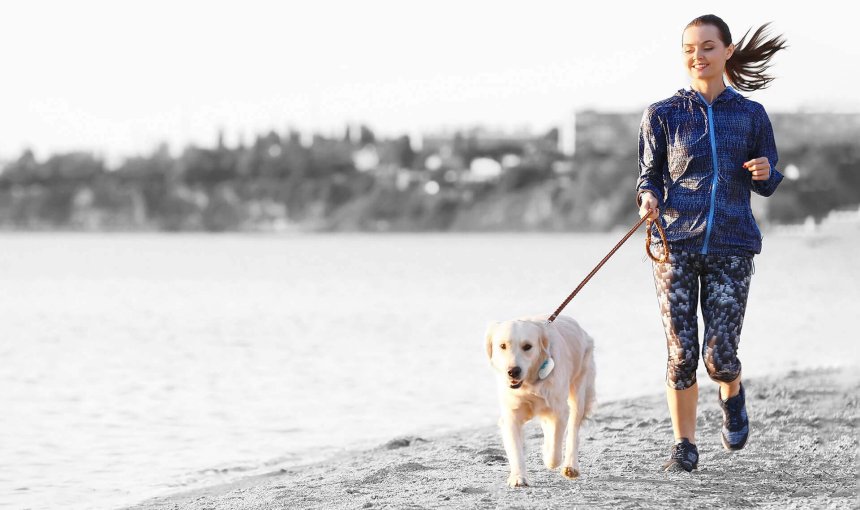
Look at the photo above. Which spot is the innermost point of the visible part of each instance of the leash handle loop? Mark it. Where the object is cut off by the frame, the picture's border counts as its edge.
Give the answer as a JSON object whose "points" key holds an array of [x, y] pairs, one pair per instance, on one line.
{"points": [[665, 255]]}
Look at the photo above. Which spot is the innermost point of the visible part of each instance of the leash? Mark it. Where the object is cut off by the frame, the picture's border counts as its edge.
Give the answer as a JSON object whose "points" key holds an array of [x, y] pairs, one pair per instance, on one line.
{"points": [[663, 258]]}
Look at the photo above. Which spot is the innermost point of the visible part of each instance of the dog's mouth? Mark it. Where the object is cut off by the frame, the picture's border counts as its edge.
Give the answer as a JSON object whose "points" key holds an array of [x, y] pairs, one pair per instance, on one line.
{"points": [[516, 384]]}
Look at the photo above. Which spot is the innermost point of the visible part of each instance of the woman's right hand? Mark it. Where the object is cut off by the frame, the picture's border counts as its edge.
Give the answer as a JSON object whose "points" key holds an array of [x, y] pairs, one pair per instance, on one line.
{"points": [[648, 205]]}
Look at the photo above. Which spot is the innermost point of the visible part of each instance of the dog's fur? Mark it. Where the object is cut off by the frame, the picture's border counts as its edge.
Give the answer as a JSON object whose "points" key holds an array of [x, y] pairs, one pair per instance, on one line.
{"points": [[561, 400]]}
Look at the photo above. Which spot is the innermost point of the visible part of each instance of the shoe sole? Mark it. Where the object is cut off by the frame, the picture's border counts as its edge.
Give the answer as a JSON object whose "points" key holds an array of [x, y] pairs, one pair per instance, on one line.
{"points": [[671, 466], [734, 448]]}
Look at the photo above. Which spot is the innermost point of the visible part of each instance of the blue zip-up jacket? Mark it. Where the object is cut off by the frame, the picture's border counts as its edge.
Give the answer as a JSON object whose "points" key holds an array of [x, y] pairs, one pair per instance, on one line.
{"points": [[691, 157]]}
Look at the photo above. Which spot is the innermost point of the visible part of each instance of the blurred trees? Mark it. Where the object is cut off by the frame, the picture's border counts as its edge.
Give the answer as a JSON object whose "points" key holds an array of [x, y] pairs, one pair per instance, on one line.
{"points": [[277, 183], [829, 179]]}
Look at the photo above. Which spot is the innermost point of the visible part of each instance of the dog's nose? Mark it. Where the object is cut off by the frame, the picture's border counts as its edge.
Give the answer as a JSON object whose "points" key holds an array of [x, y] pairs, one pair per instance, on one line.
{"points": [[515, 372]]}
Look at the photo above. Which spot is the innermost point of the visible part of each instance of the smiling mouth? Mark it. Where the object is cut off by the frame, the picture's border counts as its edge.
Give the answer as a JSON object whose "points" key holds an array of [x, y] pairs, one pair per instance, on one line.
{"points": [[516, 384], [700, 66]]}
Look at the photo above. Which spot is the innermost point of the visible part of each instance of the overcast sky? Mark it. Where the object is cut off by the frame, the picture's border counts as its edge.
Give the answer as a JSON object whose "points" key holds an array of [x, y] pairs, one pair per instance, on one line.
{"points": [[119, 77]]}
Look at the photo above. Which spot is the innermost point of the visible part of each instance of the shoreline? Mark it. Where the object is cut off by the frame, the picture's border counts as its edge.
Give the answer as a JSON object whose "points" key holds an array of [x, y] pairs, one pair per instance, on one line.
{"points": [[802, 453]]}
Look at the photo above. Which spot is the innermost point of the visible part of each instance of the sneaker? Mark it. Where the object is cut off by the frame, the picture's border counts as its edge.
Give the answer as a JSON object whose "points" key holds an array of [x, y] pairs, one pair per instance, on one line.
{"points": [[684, 456], [736, 425]]}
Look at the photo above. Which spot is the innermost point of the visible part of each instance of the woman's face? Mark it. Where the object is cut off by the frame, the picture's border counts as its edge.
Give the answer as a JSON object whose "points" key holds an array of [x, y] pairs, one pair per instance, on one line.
{"points": [[704, 53]]}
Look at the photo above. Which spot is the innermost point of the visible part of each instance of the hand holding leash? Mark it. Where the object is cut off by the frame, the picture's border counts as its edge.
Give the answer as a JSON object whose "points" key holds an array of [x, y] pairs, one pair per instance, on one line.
{"points": [[648, 205]]}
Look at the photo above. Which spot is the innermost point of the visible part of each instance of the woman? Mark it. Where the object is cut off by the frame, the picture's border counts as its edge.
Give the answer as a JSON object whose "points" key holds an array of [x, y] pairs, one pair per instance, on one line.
{"points": [[701, 153]]}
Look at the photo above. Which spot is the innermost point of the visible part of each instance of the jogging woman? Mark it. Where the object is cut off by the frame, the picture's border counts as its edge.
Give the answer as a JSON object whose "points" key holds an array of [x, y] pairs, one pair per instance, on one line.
{"points": [[701, 152]]}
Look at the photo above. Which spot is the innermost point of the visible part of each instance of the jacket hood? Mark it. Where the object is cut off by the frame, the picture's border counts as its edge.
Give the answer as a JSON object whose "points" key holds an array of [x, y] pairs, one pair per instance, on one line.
{"points": [[729, 94]]}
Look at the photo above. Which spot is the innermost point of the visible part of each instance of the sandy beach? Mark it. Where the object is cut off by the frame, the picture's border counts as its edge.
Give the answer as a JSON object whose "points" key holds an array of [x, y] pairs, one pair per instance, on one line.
{"points": [[801, 454]]}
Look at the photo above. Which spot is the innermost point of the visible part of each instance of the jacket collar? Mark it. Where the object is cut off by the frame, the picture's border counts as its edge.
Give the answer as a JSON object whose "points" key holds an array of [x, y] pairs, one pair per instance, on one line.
{"points": [[729, 94]]}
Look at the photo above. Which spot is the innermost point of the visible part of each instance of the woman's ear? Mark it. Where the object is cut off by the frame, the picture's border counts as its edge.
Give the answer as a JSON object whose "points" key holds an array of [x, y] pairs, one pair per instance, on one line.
{"points": [[730, 51], [488, 338]]}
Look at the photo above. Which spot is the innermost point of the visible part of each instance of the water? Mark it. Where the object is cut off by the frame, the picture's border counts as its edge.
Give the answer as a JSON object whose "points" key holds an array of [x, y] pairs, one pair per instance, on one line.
{"points": [[138, 365]]}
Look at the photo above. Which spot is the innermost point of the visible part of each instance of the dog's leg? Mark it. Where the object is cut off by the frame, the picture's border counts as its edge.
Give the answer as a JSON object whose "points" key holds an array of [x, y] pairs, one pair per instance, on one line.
{"points": [[512, 436], [571, 451], [553, 437]]}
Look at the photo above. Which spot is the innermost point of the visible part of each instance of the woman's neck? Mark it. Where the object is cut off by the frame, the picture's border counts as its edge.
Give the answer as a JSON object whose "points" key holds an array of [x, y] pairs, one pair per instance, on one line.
{"points": [[709, 89]]}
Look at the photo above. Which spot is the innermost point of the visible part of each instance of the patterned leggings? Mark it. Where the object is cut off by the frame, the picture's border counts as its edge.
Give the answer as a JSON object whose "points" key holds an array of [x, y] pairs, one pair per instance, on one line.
{"points": [[725, 281]]}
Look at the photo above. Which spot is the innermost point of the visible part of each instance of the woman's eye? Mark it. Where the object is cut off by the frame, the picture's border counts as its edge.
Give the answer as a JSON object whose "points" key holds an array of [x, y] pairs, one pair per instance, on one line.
{"points": [[502, 347], [527, 347]]}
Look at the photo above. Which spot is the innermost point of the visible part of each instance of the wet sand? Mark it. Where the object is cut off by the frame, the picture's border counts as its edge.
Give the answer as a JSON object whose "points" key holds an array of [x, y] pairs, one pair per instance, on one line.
{"points": [[802, 453]]}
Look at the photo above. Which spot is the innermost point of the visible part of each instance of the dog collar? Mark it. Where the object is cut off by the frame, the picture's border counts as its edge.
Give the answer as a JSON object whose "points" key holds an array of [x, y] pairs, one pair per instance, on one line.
{"points": [[545, 368]]}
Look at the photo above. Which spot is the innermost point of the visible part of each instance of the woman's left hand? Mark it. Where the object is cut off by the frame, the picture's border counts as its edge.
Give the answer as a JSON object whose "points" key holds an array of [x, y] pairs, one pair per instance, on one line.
{"points": [[760, 168]]}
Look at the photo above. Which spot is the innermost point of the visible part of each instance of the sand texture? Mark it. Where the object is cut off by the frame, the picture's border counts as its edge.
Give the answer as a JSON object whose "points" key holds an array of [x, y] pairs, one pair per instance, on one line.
{"points": [[801, 454]]}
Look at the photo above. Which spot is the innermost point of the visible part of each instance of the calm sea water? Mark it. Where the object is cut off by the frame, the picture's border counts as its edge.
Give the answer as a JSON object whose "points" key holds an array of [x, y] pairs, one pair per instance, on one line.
{"points": [[138, 365]]}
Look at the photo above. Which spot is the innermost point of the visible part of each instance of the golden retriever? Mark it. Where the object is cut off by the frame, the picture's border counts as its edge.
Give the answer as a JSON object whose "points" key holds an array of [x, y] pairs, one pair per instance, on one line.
{"points": [[545, 370]]}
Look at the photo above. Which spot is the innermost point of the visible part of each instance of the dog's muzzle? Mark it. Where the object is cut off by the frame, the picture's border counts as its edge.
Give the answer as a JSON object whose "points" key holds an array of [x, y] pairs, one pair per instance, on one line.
{"points": [[514, 374]]}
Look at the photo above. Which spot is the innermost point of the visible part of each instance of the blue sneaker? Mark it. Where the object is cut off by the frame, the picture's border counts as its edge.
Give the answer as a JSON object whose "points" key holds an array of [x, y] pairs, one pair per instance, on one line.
{"points": [[736, 425], [684, 456]]}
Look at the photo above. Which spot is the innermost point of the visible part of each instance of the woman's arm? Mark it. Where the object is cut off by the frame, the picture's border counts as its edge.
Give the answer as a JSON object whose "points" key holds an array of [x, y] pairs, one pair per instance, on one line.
{"points": [[763, 158], [652, 157]]}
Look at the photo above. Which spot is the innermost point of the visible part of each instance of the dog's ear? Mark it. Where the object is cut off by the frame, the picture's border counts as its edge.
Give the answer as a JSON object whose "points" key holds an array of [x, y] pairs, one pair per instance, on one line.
{"points": [[488, 338], [544, 340]]}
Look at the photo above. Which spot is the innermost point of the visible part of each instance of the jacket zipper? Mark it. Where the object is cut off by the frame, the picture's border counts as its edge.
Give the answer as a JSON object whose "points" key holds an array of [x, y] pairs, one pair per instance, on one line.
{"points": [[714, 181]]}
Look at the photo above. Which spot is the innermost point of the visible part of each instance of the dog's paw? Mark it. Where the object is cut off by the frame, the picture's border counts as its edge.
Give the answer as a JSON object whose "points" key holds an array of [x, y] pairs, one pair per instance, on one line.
{"points": [[551, 458], [515, 481], [570, 473]]}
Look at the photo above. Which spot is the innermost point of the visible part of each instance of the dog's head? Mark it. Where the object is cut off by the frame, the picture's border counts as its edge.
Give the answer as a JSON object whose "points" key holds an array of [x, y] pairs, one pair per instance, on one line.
{"points": [[517, 349]]}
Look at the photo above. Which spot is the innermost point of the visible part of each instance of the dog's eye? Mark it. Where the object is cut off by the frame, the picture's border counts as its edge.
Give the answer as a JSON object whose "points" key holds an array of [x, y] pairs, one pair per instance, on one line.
{"points": [[527, 347], [503, 347]]}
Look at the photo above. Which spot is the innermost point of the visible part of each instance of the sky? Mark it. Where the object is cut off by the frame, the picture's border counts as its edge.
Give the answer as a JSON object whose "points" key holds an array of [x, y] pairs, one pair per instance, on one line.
{"points": [[118, 78]]}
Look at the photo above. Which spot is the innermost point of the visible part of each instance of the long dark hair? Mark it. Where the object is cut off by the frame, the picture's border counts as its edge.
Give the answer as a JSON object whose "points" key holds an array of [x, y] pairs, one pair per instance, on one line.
{"points": [[747, 65]]}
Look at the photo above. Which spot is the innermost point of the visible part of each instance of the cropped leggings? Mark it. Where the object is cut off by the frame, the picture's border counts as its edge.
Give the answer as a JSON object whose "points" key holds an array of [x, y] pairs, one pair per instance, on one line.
{"points": [[725, 281]]}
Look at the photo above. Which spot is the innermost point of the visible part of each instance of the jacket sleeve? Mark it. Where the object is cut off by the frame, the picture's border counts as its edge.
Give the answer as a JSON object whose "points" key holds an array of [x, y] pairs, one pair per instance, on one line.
{"points": [[765, 146], [652, 156]]}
